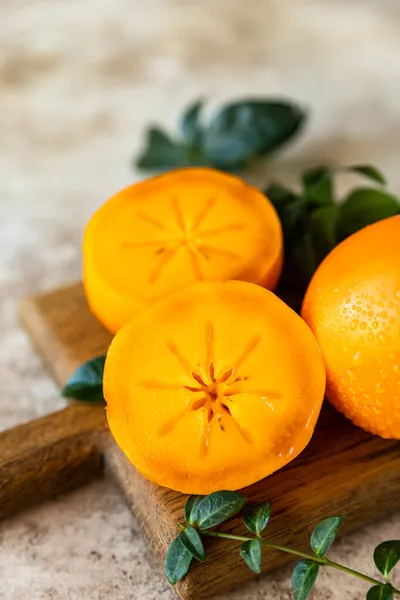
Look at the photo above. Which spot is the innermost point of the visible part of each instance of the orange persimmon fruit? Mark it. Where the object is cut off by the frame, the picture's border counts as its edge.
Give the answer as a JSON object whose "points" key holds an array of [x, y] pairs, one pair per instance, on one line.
{"points": [[353, 307], [172, 230], [214, 386]]}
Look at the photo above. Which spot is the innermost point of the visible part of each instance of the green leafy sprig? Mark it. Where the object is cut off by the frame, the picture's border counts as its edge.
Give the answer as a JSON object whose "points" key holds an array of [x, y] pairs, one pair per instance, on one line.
{"points": [[236, 135], [314, 221], [201, 513], [86, 383]]}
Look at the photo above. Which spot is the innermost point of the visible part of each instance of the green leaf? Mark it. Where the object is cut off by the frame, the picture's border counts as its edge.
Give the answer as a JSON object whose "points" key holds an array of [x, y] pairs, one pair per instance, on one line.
{"points": [[256, 516], [190, 511], [324, 535], [250, 551], [314, 175], [241, 131], [280, 196], [292, 211], [294, 222], [162, 153], [318, 185], [303, 579], [191, 539], [218, 507], [380, 592], [190, 125], [177, 561], [370, 172], [323, 223], [386, 556], [86, 384], [365, 206], [304, 255]]}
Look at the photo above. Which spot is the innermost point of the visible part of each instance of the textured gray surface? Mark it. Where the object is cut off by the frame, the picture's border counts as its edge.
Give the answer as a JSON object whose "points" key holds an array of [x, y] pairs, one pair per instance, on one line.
{"points": [[78, 82]]}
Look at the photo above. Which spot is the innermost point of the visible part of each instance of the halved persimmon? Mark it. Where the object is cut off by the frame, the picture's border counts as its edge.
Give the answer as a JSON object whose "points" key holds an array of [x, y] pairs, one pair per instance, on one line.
{"points": [[170, 231], [213, 387]]}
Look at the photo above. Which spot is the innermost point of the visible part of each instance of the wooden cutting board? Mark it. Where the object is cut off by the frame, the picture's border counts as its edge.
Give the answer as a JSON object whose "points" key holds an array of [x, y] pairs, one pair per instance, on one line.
{"points": [[343, 471]]}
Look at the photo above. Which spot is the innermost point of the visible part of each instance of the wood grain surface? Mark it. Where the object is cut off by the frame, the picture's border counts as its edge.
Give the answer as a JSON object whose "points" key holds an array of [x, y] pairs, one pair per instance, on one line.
{"points": [[58, 452], [50, 455], [343, 471]]}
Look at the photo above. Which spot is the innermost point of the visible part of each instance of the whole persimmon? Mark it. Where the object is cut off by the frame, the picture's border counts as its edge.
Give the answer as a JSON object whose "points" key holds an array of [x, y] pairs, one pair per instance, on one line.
{"points": [[353, 307], [172, 230], [214, 386]]}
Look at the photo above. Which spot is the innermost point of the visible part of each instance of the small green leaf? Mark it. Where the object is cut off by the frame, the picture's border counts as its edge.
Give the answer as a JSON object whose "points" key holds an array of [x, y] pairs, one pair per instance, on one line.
{"points": [[190, 125], [370, 172], [250, 551], [314, 175], [380, 592], [324, 535], [162, 153], [292, 211], [256, 516], [190, 511], [86, 384], [177, 561], [295, 220], [386, 556], [280, 196], [191, 539], [241, 131], [218, 507], [365, 206], [323, 223], [304, 578], [318, 185], [304, 255]]}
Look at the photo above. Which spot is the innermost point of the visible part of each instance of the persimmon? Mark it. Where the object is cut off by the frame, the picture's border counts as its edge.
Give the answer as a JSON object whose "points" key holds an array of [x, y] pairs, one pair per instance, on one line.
{"points": [[353, 307], [172, 230], [214, 386]]}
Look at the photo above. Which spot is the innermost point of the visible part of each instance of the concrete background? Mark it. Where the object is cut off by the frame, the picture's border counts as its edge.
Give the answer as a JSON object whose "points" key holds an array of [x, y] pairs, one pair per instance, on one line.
{"points": [[78, 83]]}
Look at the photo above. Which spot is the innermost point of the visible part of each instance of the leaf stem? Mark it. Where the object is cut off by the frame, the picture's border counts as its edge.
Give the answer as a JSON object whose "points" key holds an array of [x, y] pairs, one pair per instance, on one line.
{"points": [[321, 561], [334, 565]]}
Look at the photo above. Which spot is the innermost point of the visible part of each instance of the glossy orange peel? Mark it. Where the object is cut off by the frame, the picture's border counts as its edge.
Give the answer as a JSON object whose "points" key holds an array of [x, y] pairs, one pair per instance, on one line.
{"points": [[353, 307]]}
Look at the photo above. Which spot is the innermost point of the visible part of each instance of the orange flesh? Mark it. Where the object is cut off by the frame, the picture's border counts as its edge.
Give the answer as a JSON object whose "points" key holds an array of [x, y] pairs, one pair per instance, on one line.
{"points": [[174, 230], [213, 387]]}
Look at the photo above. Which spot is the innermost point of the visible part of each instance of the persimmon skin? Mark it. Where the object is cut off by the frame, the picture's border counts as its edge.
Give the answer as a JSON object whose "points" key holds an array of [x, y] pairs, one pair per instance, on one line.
{"points": [[353, 307], [172, 230], [215, 386]]}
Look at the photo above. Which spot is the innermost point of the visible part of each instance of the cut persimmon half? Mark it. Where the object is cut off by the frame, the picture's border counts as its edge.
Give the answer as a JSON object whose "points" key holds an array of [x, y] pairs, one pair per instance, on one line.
{"points": [[173, 230], [213, 387]]}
